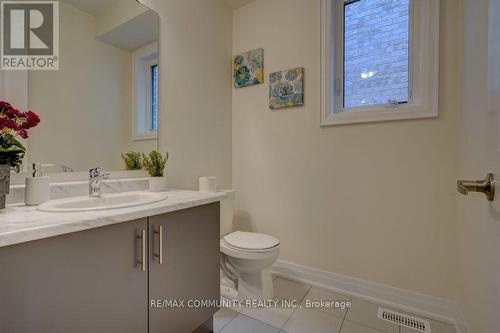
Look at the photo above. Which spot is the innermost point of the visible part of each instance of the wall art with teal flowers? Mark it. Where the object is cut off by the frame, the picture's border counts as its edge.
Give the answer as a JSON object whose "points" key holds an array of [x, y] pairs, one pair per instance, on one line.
{"points": [[286, 88], [248, 68]]}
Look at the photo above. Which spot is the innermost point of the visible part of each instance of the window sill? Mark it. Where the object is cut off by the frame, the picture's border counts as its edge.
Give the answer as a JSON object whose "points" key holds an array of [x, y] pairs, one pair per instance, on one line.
{"points": [[379, 114], [143, 137]]}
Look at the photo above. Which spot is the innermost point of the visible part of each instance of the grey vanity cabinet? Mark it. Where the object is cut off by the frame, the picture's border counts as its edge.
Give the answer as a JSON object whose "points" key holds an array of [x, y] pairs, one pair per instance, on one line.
{"points": [[81, 282], [189, 268], [99, 280]]}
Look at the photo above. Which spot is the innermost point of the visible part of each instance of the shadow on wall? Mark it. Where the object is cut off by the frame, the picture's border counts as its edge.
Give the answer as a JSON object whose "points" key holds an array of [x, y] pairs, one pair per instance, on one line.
{"points": [[242, 221], [495, 215]]}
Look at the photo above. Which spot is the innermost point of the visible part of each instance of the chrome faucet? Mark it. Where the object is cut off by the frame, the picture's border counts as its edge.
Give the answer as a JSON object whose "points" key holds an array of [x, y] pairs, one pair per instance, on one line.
{"points": [[95, 178]]}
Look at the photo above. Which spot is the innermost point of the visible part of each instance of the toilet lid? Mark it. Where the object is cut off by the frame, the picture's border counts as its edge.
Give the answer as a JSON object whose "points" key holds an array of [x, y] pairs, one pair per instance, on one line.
{"points": [[251, 240]]}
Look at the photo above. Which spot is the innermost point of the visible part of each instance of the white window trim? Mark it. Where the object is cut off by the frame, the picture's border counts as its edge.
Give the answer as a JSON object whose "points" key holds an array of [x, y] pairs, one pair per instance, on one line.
{"points": [[142, 60], [424, 68]]}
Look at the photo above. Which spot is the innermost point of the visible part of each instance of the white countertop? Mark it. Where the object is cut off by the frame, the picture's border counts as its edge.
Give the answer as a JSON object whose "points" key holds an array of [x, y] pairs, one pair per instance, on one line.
{"points": [[20, 223]]}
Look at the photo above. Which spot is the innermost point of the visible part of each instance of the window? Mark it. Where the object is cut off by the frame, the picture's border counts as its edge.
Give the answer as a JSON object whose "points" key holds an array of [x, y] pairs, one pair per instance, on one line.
{"points": [[153, 126], [376, 52], [145, 93], [379, 60]]}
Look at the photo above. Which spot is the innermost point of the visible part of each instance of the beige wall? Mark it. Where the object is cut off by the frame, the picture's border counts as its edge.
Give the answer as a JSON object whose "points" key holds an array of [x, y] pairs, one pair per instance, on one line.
{"points": [[85, 105], [195, 89], [373, 201]]}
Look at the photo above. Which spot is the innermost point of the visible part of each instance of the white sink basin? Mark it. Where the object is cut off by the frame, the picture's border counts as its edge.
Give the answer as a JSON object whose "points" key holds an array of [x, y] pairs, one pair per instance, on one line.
{"points": [[106, 201]]}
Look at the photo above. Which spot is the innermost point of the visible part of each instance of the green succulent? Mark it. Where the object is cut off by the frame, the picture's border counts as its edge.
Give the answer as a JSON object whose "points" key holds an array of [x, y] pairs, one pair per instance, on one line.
{"points": [[132, 160], [154, 163]]}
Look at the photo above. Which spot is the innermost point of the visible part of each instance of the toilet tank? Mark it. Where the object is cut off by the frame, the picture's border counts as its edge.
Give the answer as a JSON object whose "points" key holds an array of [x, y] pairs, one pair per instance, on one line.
{"points": [[227, 213]]}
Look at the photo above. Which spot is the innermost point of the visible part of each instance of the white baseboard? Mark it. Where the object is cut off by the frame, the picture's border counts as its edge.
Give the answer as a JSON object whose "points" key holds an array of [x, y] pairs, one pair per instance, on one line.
{"points": [[419, 304]]}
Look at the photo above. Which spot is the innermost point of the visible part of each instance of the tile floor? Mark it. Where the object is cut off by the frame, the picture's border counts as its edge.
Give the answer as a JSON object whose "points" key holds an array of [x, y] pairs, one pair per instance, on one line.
{"points": [[361, 317]]}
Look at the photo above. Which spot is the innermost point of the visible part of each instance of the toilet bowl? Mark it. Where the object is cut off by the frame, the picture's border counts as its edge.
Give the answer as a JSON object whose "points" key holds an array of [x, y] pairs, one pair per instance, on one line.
{"points": [[246, 258]]}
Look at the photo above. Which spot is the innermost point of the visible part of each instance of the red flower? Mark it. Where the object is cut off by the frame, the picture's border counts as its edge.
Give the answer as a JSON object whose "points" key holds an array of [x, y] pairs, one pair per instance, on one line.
{"points": [[4, 105], [8, 123], [23, 133], [13, 113], [32, 119], [16, 120]]}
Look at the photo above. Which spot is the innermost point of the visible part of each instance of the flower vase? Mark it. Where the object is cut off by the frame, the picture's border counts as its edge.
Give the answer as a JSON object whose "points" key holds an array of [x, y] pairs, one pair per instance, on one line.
{"points": [[157, 184], [4, 183]]}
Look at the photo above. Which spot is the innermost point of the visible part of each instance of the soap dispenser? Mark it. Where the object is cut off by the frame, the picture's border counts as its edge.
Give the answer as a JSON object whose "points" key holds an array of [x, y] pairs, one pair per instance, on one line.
{"points": [[37, 190]]}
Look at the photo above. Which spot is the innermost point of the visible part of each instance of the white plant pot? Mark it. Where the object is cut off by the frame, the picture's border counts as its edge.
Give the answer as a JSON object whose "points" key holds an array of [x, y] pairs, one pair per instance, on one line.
{"points": [[157, 184]]}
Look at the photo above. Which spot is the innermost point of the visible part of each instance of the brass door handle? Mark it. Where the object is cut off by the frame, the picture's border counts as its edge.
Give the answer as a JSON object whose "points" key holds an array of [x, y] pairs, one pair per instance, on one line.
{"points": [[486, 186]]}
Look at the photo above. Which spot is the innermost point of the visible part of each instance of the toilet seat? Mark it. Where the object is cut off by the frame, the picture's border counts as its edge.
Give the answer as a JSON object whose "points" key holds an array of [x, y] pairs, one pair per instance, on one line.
{"points": [[250, 242], [245, 254]]}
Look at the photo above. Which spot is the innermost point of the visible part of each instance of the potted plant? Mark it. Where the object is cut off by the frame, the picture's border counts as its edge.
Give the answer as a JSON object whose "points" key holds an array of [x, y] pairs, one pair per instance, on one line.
{"points": [[13, 124], [132, 160], [154, 164]]}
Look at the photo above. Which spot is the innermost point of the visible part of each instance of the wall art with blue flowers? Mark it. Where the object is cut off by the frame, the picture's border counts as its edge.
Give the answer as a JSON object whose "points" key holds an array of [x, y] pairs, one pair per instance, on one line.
{"points": [[286, 88], [248, 68]]}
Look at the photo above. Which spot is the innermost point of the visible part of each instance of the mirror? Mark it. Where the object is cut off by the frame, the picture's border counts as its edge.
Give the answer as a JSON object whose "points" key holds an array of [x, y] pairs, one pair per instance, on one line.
{"points": [[103, 100]]}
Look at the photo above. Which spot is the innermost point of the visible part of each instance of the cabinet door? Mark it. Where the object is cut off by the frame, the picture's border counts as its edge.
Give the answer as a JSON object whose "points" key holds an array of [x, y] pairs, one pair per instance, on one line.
{"points": [[82, 282], [190, 268]]}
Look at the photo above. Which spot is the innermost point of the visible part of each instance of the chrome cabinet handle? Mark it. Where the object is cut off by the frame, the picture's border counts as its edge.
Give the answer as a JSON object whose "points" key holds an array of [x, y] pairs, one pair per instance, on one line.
{"points": [[486, 186], [159, 254], [142, 261]]}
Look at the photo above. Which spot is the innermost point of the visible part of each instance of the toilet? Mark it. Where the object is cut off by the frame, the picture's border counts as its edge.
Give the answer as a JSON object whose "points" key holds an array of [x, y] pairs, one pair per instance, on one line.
{"points": [[246, 259]]}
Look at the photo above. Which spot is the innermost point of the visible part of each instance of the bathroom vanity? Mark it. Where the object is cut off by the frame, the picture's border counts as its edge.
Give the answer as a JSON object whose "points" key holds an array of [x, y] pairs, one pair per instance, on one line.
{"points": [[98, 270], [111, 270]]}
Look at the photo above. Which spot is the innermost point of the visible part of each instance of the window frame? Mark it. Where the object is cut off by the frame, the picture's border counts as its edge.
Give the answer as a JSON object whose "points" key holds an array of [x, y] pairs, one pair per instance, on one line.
{"points": [[423, 68], [143, 59]]}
